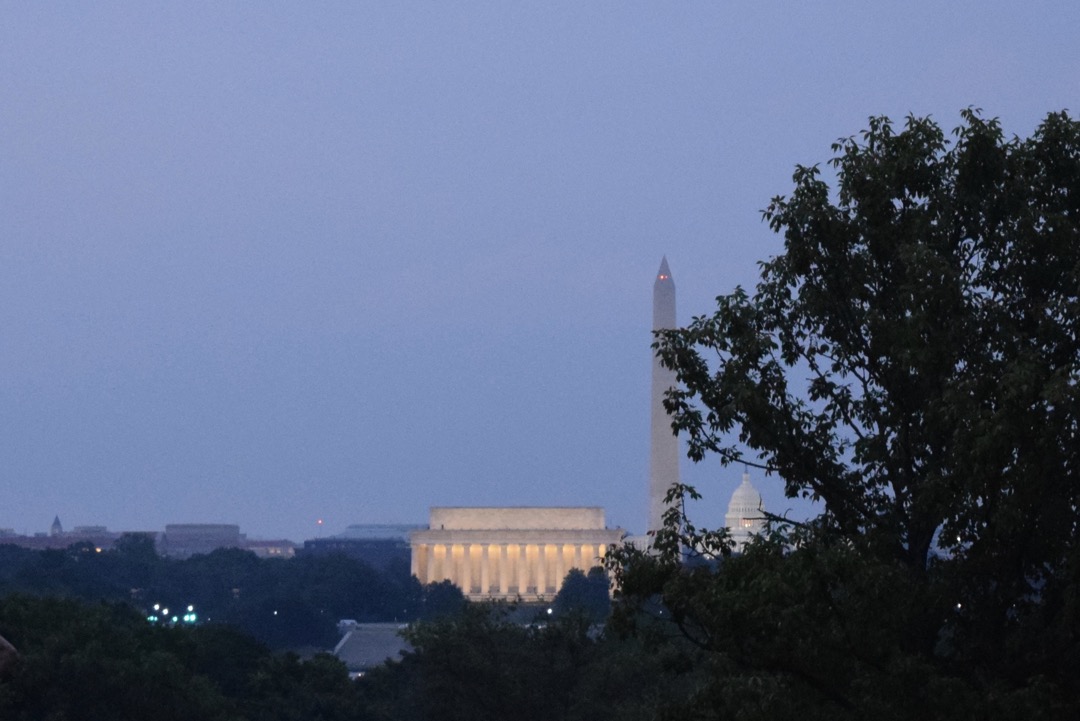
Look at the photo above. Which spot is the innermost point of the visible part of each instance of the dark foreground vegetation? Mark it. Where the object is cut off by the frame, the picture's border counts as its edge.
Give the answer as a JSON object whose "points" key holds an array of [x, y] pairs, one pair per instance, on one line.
{"points": [[104, 662], [911, 360], [291, 603]]}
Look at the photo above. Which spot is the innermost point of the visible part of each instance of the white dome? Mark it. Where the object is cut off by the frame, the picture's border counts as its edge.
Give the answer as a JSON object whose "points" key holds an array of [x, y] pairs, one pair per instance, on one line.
{"points": [[745, 514], [745, 498]]}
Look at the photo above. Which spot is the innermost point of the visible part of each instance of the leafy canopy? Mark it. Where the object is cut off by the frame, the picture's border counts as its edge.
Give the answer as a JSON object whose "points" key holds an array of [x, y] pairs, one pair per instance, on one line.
{"points": [[910, 360]]}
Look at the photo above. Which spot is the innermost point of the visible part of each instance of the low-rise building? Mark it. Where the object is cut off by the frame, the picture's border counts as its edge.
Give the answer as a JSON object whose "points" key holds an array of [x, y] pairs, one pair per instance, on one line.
{"points": [[182, 540]]}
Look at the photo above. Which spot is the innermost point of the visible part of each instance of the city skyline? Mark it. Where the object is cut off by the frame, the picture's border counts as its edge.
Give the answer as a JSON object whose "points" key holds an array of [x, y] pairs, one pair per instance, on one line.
{"points": [[270, 264]]}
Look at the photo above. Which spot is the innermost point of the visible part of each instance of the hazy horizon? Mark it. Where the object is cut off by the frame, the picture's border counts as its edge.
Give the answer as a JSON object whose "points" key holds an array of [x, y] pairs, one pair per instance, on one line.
{"points": [[265, 263]]}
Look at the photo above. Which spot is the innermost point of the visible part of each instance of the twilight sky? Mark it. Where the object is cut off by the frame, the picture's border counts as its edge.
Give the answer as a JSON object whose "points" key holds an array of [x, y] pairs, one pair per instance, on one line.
{"points": [[270, 262]]}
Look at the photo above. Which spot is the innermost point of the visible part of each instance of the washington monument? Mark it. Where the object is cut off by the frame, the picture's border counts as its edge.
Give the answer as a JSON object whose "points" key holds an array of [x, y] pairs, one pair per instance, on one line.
{"points": [[664, 448]]}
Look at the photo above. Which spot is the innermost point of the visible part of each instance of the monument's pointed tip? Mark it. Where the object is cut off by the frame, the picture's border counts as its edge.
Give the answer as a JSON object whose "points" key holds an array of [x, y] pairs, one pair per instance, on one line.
{"points": [[664, 273]]}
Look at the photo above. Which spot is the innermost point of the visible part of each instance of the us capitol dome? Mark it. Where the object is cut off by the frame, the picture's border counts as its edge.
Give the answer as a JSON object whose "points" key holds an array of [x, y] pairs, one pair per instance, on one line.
{"points": [[745, 514]]}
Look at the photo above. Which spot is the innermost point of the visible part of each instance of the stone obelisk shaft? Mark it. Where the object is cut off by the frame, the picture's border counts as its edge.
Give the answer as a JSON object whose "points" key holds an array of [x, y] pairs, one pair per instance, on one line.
{"points": [[664, 446]]}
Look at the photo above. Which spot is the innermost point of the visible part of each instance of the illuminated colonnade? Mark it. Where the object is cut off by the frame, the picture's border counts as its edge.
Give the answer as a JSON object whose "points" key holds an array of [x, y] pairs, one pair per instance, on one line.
{"points": [[492, 553]]}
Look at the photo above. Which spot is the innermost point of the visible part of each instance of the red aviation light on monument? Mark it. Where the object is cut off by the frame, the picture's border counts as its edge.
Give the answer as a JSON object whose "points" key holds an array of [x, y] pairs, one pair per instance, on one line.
{"points": [[664, 273]]}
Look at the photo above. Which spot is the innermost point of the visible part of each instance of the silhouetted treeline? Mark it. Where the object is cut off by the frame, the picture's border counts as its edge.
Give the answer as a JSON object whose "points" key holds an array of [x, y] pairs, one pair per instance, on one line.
{"points": [[483, 663], [86, 650], [285, 603], [100, 661], [103, 662]]}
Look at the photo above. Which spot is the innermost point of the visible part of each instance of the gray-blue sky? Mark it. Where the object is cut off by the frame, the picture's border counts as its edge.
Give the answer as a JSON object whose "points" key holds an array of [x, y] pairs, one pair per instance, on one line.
{"points": [[271, 262]]}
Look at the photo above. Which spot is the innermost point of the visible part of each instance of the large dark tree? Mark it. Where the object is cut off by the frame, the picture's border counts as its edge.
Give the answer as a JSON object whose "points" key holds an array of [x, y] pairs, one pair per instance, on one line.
{"points": [[584, 594], [911, 360]]}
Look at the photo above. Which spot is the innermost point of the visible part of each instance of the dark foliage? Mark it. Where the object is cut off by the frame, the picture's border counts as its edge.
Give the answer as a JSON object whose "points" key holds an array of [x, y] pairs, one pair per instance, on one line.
{"points": [[103, 662], [584, 594], [911, 361], [483, 665], [284, 603]]}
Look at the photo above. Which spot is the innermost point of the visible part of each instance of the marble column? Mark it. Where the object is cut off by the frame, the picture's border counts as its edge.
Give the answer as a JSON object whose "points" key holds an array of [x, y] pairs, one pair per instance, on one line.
{"points": [[466, 568], [433, 566], [523, 570], [504, 570], [485, 569], [541, 569], [588, 556]]}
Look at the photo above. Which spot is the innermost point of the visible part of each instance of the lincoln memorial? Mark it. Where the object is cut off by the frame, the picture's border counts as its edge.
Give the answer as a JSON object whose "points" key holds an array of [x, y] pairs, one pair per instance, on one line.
{"points": [[506, 553]]}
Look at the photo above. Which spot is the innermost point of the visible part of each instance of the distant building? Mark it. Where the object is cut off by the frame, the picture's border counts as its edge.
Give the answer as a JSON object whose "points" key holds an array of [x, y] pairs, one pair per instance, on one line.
{"points": [[378, 545], [182, 540], [278, 548], [57, 538], [367, 645], [380, 531], [507, 553]]}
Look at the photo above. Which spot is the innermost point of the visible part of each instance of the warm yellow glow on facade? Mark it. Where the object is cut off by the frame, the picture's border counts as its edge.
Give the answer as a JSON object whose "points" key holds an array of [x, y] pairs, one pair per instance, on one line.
{"points": [[489, 554]]}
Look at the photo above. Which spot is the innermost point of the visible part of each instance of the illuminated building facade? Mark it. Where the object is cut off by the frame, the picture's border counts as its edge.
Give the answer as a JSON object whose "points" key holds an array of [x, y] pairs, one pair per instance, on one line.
{"points": [[509, 553]]}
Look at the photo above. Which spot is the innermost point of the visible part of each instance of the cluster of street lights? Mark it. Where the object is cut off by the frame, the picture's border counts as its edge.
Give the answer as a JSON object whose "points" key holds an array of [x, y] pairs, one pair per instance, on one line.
{"points": [[160, 614]]}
